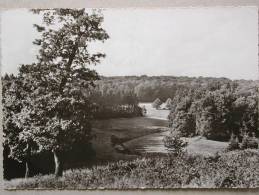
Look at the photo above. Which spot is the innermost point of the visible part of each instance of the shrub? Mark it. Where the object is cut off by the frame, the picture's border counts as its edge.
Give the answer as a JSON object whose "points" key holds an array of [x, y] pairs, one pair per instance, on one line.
{"points": [[157, 103], [174, 144], [235, 169], [168, 103], [233, 143], [249, 142]]}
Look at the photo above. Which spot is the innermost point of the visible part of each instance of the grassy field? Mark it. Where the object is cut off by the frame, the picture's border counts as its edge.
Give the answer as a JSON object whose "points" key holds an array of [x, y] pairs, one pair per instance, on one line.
{"points": [[236, 169], [126, 129], [202, 146], [153, 143]]}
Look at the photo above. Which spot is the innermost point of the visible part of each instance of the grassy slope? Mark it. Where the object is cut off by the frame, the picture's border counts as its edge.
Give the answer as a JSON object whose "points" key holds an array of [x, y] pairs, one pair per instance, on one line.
{"points": [[238, 169], [203, 146]]}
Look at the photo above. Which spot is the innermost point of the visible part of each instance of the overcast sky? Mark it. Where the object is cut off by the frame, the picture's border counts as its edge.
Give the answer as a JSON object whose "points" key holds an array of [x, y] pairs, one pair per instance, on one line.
{"points": [[216, 42]]}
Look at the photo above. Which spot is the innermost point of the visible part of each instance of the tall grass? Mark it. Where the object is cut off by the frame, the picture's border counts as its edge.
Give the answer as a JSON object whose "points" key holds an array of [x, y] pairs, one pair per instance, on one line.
{"points": [[235, 169]]}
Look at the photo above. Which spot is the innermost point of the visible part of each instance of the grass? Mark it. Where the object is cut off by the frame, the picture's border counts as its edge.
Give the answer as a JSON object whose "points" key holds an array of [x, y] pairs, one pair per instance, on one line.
{"points": [[236, 169], [155, 113], [201, 145], [124, 128]]}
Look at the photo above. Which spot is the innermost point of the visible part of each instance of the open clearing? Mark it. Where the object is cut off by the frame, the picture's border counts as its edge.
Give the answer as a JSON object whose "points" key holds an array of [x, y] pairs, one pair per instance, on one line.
{"points": [[155, 113], [143, 135]]}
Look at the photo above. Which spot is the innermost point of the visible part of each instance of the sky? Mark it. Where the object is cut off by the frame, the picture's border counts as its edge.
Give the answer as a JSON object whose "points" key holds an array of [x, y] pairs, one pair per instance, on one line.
{"points": [[209, 42]]}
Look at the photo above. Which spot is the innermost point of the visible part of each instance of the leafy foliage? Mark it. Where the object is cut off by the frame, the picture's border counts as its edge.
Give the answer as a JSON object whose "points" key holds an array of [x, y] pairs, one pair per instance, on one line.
{"points": [[249, 142], [233, 143], [54, 109], [168, 103], [174, 144], [15, 99], [157, 103], [117, 101], [216, 112]]}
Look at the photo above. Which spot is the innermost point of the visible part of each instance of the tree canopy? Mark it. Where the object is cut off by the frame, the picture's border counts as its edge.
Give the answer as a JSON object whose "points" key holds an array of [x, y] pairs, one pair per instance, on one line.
{"points": [[55, 110]]}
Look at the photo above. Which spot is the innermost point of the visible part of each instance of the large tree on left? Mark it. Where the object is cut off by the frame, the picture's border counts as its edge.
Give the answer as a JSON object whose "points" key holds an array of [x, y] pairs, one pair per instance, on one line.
{"points": [[56, 112]]}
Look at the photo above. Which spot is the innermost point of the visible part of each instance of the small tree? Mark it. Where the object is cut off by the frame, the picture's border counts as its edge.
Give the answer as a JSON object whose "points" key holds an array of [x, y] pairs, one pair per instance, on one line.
{"points": [[168, 103], [174, 144], [184, 123], [233, 143], [157, 103]]}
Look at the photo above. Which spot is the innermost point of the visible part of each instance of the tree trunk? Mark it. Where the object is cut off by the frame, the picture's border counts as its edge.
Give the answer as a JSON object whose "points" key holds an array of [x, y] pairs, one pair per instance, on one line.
{"points": [[27, 161], [58, 164], [27, 169]]}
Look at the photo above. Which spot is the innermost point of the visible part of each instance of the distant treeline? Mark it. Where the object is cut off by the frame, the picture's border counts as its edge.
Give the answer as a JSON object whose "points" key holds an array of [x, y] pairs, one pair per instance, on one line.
{"points": [[148, 88]]}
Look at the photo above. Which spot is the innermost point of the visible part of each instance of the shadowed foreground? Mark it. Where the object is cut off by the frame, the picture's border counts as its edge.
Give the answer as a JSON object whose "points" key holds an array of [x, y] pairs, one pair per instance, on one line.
{"points": [[237, 169]]}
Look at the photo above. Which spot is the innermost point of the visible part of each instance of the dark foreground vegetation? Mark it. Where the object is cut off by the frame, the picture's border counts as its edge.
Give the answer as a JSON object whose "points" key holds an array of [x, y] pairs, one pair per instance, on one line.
{"points": [[237, 169]]}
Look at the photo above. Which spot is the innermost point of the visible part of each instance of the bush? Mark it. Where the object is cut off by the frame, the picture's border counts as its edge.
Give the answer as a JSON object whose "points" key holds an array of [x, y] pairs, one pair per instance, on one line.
{"points": [[168, 103], [233, 143], [157, 103], [174, 144], [249, 142]]}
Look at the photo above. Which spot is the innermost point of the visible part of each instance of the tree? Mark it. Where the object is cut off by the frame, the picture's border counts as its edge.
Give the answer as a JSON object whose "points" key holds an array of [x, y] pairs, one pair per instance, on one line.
{"points": [[184, 123], [14, 136], [157, 103], [246, 115], [233, 143], [174, 144], [168, 103], [59, 82]]}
